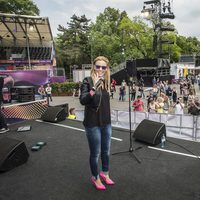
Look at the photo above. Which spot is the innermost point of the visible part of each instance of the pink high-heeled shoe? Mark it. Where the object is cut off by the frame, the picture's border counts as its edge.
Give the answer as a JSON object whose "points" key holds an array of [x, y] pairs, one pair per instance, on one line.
{"points": [[98, 187], [107, 181]]}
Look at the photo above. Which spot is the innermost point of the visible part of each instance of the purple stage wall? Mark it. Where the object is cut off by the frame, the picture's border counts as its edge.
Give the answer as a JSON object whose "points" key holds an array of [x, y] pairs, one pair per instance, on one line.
{"points": [[30, 77]]}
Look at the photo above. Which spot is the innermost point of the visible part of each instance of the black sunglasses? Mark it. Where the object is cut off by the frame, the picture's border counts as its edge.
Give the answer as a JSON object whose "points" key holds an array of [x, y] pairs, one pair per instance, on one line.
{"points": [[98, 67]]}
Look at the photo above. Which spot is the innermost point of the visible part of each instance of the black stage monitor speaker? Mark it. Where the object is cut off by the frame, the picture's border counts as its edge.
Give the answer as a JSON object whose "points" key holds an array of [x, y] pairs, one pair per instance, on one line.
{"points": [[54, 114], [131, 68], [12, 154], [65, 106], [150, 132]]}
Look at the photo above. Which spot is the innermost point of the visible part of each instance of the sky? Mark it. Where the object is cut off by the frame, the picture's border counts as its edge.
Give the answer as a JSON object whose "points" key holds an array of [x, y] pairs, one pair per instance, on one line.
{"points": [[187, 12]]}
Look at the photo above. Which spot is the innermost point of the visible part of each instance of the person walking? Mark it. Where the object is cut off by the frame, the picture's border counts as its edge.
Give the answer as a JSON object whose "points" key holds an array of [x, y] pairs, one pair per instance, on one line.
{"points": [[48, 90], [97, 119], [133, 91]]}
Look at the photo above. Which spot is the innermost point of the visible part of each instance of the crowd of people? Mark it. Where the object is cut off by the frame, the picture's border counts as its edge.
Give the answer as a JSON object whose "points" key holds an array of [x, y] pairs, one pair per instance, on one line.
{"points": [[161, 97]]}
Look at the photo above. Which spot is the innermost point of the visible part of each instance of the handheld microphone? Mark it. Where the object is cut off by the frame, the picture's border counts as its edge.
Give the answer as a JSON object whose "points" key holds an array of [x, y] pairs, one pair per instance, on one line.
{"points": [[98, 83]]}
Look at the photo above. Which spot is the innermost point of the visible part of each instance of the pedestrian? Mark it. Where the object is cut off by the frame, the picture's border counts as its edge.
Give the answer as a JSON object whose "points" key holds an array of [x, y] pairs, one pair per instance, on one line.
{"points": [[138, 104], [48, 91], [41, 92]]}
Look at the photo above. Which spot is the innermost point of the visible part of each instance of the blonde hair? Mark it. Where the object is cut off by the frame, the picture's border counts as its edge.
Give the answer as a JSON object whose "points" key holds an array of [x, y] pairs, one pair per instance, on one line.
{"points": [[160, 100], [107, 73]]}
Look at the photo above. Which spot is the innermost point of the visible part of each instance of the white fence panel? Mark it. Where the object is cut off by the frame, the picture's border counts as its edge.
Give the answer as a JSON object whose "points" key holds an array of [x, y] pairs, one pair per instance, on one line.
{"points": [[177, 126]]}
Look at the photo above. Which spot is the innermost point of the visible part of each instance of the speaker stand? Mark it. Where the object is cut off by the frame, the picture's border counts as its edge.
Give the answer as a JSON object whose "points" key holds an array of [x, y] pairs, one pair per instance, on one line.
{"points": [[131, 148]]}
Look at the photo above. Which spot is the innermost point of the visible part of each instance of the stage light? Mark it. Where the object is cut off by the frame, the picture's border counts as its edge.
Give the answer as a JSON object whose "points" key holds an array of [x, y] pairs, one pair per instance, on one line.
{"points": [[164, 9], [31, 26], [156, 11], [151, 2], [147, 12]]}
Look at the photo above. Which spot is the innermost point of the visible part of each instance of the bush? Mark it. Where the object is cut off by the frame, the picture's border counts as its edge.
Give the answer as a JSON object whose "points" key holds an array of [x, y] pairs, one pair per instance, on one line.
{"points": [[63, 88]]}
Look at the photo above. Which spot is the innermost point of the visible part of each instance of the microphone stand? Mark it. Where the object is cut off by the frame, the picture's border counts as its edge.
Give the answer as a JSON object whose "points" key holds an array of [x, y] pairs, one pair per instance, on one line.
{"points": [[131, 149]]}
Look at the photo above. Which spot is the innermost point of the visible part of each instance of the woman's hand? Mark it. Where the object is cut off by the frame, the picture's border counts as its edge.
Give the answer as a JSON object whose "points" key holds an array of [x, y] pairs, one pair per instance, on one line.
{"points": [[92, 93]]}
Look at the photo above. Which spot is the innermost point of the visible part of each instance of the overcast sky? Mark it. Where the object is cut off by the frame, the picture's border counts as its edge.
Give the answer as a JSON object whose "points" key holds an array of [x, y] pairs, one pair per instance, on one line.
{"points": [[187, 12]]}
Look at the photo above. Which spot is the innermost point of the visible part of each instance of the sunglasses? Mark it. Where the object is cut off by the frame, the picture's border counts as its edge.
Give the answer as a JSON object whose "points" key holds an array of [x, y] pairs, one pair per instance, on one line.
{"points": [[98, 67]]}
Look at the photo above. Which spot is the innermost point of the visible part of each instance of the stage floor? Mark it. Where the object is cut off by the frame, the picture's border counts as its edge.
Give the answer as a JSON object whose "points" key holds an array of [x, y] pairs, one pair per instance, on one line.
{"points": [[60, 170]]}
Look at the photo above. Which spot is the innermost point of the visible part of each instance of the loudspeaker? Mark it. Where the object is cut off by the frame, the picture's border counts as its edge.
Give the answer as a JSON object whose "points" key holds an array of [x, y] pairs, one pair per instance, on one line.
{"points": [[12, 154], [26, 97], [65, 106], [131, 68], [54, 114], [150, 132]]}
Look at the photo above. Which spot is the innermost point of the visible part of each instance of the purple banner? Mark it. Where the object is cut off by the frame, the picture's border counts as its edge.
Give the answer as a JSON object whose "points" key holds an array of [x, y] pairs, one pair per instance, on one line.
{"points": [[29, 77]]}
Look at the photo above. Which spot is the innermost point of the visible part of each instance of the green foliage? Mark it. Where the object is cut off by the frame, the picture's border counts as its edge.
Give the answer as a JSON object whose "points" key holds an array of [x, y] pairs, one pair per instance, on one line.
{"points": [[21, 7], [65, 87], [72, 44], [188, 45], [55, 87], [117, 37]]}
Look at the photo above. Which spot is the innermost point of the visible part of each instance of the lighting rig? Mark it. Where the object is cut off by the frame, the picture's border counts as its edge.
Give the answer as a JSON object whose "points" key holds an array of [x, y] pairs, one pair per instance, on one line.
{"points": [[157, 11]]}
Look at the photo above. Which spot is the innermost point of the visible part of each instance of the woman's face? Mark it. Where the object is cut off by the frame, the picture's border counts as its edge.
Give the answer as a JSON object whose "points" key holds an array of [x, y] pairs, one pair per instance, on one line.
{"points": [[100, 68]]}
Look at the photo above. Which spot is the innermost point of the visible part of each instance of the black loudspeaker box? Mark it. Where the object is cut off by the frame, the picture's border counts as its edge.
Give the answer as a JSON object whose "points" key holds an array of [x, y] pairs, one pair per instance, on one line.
{"points": [[150, 132], [54, 114], [65, 106], [131, 68], [12, 154]]}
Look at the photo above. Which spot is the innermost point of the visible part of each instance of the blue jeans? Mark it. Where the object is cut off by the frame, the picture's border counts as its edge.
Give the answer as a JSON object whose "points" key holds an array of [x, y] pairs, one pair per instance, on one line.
{"points": [[99, 138]]}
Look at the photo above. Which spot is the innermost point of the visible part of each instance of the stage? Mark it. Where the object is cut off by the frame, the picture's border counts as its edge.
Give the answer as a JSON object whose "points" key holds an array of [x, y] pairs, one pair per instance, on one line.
{"points": [[60, 170]]}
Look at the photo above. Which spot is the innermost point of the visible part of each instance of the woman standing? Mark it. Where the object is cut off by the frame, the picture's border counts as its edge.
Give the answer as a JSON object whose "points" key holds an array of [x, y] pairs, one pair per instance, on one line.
{"points": [[159, 105], [97, 119]]}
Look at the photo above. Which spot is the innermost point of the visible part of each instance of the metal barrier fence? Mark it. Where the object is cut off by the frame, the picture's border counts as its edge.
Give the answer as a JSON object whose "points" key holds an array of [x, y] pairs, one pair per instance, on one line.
{"points": [[177, 126]]}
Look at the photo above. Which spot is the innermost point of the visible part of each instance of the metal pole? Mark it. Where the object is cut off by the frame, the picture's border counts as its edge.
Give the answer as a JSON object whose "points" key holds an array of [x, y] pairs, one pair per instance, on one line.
{"points": [[27, 45], [160, 32], [91, 50], [130, 128]]}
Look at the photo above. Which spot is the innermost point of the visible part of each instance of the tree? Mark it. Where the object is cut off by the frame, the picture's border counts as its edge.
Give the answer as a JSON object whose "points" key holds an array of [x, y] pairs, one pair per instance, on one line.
{"points": [[117, 37], [137, 37], [21, 7], [72, 43], [105, 35], [188, 45]]}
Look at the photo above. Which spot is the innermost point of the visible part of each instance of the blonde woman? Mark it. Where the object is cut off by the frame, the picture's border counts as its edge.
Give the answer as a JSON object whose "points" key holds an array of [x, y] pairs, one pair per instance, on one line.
{"points": [[159, 105], [97, 120]]}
